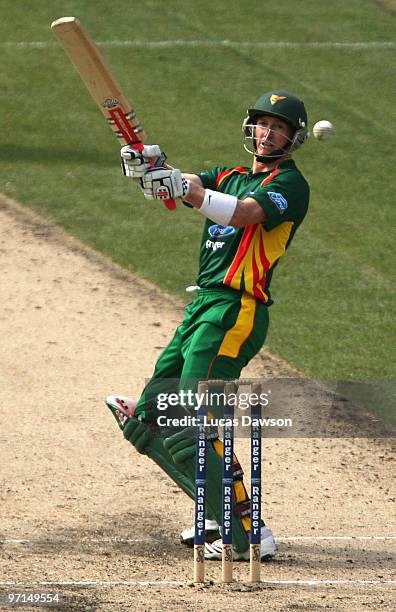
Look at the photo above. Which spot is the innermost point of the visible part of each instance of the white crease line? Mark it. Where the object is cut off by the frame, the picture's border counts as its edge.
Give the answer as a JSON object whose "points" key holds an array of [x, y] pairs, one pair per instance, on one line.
{"points": [[160, 44], [347, 538], [81, 541], [109, 583]]}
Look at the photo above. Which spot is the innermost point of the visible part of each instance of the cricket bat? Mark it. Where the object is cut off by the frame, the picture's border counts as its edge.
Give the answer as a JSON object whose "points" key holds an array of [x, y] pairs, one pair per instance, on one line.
{"points": [[102, 85]]}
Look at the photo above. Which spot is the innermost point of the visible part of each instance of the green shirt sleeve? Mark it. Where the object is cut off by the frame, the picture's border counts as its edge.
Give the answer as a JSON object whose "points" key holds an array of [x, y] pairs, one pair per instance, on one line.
{"points": [[285, 198], [209, 177]]}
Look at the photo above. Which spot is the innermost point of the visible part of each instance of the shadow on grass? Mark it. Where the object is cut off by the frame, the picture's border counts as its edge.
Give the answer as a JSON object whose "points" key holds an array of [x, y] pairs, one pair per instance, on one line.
{"points": [[34, 154]]}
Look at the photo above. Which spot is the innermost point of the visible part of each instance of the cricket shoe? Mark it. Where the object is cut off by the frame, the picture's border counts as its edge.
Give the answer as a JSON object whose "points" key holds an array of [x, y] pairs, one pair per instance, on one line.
{"points": [[268, 548], [212, 533], [122, 408]]}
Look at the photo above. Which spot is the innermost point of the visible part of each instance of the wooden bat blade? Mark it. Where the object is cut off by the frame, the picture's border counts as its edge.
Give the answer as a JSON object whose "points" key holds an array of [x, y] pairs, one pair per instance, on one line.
{"points": [[101, 83], [99, 80]]}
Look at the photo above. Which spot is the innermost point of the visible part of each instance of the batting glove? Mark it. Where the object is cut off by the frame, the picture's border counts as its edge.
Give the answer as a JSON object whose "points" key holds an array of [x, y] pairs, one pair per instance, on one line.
{"points": [[163, 183], [135, 163]]}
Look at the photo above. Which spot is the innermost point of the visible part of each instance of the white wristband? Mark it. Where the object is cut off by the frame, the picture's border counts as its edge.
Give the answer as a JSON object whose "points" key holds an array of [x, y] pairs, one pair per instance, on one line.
{"points": [[218, 207]]}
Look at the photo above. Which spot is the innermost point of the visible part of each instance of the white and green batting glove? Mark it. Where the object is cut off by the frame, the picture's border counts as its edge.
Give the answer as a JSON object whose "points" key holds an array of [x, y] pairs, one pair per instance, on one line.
{"points": [[163, 184]]}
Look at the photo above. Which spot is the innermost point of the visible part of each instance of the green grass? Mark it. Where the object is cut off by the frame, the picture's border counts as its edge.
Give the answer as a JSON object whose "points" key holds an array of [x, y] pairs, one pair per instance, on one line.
{"points": [[334, 290]]}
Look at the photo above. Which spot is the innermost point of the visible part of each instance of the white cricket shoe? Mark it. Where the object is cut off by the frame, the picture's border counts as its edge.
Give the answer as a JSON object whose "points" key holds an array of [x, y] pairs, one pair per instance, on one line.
{"points": [[212, 533], [268, 548]]}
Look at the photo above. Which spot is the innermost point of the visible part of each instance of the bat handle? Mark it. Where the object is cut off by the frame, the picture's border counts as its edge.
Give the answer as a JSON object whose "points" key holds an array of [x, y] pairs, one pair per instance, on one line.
{"points": [[169, 202]]}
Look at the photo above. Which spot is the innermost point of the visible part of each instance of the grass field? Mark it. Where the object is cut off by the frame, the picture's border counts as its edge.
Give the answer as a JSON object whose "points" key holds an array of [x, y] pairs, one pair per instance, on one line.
{"points": [[335, 289]]}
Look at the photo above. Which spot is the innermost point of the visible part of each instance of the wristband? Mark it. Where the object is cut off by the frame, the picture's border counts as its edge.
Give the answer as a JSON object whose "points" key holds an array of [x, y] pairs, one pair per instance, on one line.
{"points": [[218, 207]]}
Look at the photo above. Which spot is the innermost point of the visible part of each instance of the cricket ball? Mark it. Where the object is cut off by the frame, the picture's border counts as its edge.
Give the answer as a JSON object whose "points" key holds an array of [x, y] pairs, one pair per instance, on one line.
{"points": [[323, 130]]}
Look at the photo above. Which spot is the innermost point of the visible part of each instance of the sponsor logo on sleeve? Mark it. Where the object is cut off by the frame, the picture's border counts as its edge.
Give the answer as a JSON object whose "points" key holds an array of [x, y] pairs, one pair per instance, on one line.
{"points": [[279, 200]]}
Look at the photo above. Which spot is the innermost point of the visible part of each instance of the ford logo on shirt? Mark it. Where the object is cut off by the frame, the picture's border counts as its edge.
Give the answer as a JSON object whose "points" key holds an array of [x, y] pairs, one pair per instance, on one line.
{"points": [[218, 230], [279, 200]]}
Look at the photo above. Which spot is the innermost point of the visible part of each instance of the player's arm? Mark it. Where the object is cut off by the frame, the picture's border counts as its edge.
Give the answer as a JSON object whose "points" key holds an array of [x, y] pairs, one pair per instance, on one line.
{"points": [[219, 206], [248, 212], [167, 182], [193, 179]]}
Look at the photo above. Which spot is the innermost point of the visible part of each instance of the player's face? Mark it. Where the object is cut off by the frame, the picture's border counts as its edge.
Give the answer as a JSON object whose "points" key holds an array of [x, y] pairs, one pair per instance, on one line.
{"points": [[271, 133]]}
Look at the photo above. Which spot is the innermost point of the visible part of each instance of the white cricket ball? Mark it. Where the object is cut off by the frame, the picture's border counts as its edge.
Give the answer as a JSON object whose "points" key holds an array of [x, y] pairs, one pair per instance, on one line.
{"points": [[323, 130]]}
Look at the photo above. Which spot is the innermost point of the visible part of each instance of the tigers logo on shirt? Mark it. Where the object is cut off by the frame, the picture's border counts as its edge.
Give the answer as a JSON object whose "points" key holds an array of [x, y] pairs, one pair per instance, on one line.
{"points": [[274, 99]]}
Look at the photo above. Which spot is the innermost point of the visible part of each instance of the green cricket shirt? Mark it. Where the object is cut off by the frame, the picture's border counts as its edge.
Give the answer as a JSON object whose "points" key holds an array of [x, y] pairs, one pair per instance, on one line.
{"points": [[244, 258]]}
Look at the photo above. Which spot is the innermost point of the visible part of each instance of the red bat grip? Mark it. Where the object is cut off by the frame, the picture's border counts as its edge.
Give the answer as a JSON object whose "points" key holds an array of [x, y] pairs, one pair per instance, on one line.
{"points": [[169, 202], [130, 137]]}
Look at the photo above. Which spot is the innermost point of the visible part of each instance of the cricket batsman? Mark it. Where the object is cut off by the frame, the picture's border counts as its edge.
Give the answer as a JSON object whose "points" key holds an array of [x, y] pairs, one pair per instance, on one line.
{"points": [[250, 217]]}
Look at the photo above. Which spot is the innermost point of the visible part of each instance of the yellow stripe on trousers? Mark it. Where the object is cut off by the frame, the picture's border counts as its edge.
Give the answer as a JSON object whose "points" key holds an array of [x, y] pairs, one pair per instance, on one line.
{"points": [[240, 332]]}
